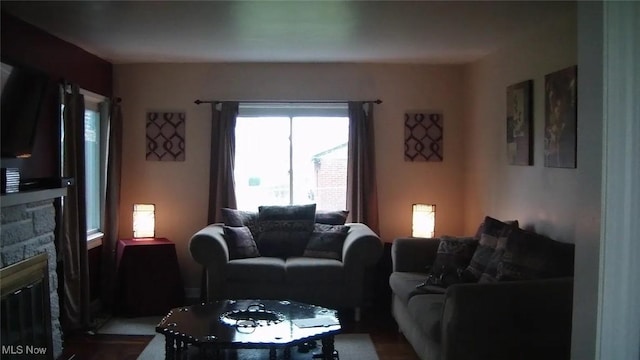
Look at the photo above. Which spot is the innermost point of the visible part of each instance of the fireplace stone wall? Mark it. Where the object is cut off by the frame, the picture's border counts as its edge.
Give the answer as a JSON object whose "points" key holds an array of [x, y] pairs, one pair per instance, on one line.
{"points": [[28, 229]]}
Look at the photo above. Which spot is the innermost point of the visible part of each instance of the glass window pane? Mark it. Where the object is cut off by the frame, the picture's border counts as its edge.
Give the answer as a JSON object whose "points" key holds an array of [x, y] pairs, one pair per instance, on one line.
{"points": [[92, 168], [320, 161], [262, 162]]}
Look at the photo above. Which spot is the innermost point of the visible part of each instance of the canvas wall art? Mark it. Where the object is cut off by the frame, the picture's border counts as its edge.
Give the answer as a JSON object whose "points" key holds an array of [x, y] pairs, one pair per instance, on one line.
{"points": [[519, 124], [166, 136], [560, 127], [423, 134]]}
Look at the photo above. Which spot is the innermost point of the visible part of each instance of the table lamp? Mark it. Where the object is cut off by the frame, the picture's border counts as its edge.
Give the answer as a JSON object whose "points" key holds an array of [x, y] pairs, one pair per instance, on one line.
{"points": [[144, 222], [424, 220]]}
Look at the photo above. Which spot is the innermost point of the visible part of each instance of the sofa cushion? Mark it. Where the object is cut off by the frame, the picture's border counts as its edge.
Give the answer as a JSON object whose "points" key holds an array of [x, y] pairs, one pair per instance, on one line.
{"points": [[403, 284], [233, 217], [304, 270], [240, 242], [427, 312], [338, 217], [258, 269], [494, 232], [326, 241], [452, 258], [529, 255], [285, 230]]}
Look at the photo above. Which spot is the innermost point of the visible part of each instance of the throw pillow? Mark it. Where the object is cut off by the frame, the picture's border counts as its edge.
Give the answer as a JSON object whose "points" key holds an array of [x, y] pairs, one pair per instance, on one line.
{"points": [[481, 227], [233, 217], [338, 217], [240, 242], [326, 241], [529, 255], [453, 256], [285, 230], [494, 232]]}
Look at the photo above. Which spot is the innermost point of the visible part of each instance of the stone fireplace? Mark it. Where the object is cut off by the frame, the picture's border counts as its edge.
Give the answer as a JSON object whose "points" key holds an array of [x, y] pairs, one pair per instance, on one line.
{"points": [[28, 229]]}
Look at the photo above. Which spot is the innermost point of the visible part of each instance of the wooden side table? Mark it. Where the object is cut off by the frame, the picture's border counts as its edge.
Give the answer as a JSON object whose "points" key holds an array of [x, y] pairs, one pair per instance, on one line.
{"points": [[149, 280]]}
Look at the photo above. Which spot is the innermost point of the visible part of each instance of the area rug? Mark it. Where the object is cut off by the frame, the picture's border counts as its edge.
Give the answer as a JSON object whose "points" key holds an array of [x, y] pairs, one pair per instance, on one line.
{"points": [[349, 346], [131, 326]]}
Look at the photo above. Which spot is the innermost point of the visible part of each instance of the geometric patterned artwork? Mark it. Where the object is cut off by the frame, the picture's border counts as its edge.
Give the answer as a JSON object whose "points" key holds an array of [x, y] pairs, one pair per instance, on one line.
{"points": [[423, 137], [165, 136]]}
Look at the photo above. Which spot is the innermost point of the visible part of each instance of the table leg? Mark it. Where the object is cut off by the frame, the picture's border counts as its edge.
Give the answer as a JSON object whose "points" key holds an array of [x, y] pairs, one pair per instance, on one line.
{"points": [[272, 353], [287, 353], [169, 347], [328, 349]]}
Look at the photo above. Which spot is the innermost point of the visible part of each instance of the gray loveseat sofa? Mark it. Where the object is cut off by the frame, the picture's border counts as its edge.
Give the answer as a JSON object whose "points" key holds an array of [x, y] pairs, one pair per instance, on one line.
{"points": [[329, 282], [517, 319]]}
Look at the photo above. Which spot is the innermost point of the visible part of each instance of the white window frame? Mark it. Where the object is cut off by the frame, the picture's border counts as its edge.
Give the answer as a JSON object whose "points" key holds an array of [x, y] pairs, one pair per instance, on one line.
{"points": [[92, 102]]}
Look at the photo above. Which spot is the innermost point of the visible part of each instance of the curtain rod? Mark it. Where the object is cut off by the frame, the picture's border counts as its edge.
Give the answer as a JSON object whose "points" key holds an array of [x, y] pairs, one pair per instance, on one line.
{"points": [[198, 101]]}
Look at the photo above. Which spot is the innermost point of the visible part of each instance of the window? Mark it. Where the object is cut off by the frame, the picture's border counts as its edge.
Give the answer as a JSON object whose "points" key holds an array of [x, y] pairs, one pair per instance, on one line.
{"points": [[94, 162], [290, 154]]}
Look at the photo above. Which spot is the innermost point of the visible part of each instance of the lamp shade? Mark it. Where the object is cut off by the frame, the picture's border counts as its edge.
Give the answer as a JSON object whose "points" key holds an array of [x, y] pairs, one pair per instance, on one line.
{"points": [[424, 220], [144, 220]]}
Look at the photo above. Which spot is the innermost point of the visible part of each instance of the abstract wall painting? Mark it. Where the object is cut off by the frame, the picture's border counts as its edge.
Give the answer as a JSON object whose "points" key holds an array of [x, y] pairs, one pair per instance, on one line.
{"points": [[423, 134], [519, 123], [165, 136], [560, 126]]}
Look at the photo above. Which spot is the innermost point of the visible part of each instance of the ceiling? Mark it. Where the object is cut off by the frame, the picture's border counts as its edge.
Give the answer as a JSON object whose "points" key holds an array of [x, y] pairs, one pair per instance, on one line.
{"points": [[290, 31]]}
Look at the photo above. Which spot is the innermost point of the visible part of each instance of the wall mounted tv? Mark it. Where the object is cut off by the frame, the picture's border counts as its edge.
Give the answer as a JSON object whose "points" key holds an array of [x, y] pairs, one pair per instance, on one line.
{"points": [[23, 91]]}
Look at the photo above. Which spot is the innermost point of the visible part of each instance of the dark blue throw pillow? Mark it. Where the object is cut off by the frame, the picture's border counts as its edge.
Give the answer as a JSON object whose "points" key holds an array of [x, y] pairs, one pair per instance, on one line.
{"points": [[233, 217], [337, 217], [240, 242], [285, 230], [326, 241]]}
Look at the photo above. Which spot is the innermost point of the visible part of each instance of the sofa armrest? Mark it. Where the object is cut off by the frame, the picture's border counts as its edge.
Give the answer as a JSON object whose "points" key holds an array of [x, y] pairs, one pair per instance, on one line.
{"points": [[209, 249], [413, 254], [362, 247], [508, 320]]}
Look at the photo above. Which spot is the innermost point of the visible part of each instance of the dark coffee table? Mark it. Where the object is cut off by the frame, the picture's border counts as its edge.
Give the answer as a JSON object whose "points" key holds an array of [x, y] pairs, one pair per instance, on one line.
{"points": [[252, 324]]}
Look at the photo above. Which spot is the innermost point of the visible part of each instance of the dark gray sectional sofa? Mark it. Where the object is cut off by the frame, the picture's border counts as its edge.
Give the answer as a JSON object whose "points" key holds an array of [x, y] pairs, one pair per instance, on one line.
{"points": [[523, 312]]}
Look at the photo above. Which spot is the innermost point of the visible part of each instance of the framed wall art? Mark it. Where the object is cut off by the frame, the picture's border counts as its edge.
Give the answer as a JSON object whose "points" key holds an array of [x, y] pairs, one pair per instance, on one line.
{"points": [[165, 136], [423, 134], [520, 124], [560, 123]]}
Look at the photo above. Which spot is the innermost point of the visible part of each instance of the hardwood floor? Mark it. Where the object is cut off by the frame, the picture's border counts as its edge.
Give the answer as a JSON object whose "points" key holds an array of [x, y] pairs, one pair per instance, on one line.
{"points": [[377, 322], [104, 347]]}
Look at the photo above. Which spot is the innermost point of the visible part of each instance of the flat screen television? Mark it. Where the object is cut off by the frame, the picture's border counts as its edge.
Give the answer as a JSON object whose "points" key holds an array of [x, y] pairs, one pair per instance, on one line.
{"points": [[23, 90]]}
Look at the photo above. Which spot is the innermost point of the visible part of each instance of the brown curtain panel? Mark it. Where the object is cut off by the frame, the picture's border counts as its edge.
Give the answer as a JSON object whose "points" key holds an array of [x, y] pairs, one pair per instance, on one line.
{"points": [[362, 188], [73, 245], [112, 150], [223, 150]]}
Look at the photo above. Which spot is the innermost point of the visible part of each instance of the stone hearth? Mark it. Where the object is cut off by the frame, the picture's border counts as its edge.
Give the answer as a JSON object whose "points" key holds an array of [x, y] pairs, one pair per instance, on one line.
{"points": [[28, 229]]}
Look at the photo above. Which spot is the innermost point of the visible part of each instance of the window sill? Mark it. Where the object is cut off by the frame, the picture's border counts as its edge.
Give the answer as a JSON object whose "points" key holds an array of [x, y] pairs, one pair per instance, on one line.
{"points": [[94, 240]]}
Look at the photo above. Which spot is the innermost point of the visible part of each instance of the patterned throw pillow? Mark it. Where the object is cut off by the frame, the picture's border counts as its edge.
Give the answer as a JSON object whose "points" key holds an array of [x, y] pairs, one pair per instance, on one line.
{"points": [[285, 230], [338, 217], [529, 255], [240, 242], [481, 227], [233, 217], [326, 241], [494, 235], [454, 255]]}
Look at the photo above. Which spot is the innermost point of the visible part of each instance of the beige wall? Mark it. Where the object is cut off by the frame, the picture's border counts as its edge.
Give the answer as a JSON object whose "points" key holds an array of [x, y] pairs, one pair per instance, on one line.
{"points": [[180, 189], [543, 199]]}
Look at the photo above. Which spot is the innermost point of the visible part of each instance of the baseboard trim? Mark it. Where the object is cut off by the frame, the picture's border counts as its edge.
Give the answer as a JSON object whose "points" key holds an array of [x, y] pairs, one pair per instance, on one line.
{"points": [[192, 295]]}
